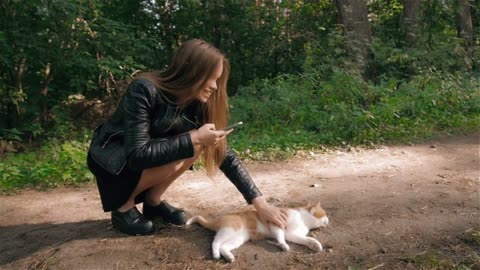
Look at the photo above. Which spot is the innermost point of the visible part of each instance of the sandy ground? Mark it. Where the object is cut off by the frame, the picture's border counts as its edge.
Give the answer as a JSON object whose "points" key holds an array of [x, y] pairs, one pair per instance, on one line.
{"points": [[394, 207]]}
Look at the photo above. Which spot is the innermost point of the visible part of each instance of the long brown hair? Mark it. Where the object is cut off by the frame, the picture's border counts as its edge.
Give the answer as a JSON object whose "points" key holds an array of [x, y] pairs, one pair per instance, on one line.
{"points": [[193, 63]]}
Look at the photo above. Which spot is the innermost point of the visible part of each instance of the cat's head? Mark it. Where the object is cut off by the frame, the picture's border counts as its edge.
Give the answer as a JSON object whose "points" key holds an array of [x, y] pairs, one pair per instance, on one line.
{"points": [[319, 214]]}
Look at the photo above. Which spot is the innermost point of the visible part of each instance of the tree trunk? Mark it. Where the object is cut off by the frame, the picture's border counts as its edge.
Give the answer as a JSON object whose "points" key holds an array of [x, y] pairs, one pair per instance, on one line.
{"points": [[412, 16], [465, 30], [44, 93], [48, 77], [14, 107], [358, 35]]}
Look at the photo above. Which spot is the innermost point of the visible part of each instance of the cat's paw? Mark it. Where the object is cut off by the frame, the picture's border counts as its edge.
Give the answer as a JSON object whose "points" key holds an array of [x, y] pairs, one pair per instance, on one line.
{"points": [[229, 257], [284, 246], [315, 245], [216, 255]]}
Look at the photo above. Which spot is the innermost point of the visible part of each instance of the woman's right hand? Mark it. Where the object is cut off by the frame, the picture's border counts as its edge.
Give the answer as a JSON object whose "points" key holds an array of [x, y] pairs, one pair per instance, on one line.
{"points": [[208, 135]]}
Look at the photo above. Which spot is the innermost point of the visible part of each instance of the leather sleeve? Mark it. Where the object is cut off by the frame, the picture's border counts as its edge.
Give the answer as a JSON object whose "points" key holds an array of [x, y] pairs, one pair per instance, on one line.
{"points": [[238, 175], [142, 151]]}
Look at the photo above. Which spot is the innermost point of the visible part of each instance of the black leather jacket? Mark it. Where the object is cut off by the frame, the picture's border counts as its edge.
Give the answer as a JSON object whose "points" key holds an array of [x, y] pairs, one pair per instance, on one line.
{"points": [[143, 133]]}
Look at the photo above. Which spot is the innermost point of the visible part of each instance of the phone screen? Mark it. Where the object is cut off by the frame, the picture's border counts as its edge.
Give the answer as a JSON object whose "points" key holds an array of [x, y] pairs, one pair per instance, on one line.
{"points": [[234, 126]]}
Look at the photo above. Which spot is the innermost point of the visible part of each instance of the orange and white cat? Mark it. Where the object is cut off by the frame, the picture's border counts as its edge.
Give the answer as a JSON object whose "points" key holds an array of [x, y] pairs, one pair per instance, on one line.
{"points": [[233, 230]]}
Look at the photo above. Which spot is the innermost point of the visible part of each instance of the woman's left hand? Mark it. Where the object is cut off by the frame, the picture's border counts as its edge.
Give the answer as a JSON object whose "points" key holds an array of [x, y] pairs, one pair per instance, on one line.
{"points": [[269, 213]]}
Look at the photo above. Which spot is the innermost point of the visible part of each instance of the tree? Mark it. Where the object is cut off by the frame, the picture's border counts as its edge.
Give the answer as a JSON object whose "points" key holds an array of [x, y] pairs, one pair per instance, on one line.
{"points": [[50, 49], [465, 30], [356, 28], [412, 14]]}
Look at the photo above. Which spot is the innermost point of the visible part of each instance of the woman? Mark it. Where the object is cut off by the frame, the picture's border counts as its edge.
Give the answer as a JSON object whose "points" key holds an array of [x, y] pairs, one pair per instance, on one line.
{"points": [[165, 120]]}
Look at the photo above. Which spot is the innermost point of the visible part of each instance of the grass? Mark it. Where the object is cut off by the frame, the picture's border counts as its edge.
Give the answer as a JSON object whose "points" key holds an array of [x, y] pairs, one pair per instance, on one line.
{"points": [[431, 260], [309, 112], [472, 238], [56, 163], [458, 253]]}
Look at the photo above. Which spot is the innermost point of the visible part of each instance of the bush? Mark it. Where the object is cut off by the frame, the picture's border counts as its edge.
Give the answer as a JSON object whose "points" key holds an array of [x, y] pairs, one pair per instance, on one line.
{"points": [[55, 163], [292, 112]]}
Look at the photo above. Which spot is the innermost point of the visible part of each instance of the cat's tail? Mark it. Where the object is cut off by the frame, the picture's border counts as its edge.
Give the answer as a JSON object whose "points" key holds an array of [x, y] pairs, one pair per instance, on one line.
{"points": [[203, 222]]}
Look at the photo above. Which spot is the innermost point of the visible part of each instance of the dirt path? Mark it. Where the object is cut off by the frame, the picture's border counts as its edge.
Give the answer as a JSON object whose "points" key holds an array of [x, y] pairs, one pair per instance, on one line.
{"points": [[405, 207]]}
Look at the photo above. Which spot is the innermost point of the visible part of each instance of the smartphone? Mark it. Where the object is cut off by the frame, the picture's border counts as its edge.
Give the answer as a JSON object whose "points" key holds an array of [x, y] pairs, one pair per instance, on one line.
{"points": [[234, 126]]}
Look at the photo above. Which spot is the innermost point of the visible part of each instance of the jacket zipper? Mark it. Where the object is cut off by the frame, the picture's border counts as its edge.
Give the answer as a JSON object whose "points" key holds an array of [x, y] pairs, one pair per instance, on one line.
{"points": [[109, 137], [184, 117]]}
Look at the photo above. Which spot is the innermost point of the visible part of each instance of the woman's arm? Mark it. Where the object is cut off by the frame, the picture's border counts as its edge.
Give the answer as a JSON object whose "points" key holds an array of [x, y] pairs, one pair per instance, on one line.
{"points": [[238, 175], [233, 169]]}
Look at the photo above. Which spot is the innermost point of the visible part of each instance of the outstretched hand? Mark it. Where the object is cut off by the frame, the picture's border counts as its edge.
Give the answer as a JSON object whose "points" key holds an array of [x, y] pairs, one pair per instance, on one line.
{"points": [[269, 213]]}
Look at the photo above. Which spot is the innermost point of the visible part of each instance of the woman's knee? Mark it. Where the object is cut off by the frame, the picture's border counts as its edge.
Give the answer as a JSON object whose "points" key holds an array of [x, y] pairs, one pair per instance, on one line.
{"points": [[189, 161], [186, 163]]}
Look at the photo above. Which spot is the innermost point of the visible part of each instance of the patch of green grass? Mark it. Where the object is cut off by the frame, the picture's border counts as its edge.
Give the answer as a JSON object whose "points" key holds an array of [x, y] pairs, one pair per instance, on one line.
{"points": [[458, 253], [472, 238], [431, 260]]}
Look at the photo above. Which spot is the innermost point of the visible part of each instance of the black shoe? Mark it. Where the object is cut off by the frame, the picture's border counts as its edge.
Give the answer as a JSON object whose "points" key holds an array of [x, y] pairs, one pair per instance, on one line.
{"points": [[132, 222], [166, 212]]}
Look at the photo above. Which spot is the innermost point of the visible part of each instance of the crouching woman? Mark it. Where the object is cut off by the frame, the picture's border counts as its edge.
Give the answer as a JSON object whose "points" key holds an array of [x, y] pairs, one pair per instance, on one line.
{"points": [[165, 121]]}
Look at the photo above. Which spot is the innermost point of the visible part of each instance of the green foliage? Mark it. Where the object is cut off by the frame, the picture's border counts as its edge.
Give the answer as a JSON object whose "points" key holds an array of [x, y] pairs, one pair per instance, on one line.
{"points": [[52, 49], [55, 163], [437, 47], [11, 134], [292, 80], [445, 55], [301, 112]]}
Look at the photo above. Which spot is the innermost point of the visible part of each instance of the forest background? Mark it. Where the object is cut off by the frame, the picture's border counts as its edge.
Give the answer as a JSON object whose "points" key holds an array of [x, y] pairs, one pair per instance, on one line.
{"points": [[306, 75]]}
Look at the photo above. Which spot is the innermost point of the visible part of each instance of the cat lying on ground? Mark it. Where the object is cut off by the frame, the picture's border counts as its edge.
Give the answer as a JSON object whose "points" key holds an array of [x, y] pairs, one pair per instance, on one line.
{"points": [[233, 230]]}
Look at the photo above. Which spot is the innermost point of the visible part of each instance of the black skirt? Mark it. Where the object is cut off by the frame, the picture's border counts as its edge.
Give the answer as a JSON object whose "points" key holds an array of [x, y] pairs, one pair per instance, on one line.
{"points": [[115, 189]]}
